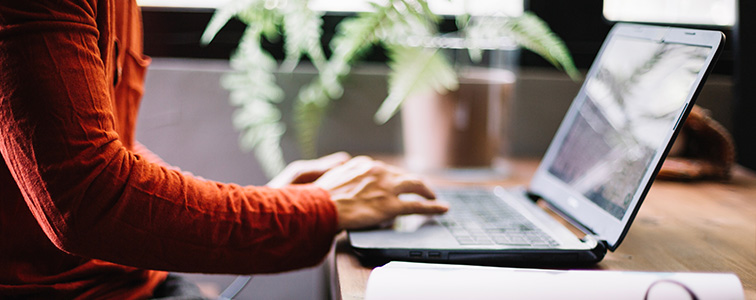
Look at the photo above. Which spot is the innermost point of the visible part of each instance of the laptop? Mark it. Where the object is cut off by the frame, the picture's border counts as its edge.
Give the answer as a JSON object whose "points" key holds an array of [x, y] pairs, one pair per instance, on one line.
{"points": [[595, 173]]}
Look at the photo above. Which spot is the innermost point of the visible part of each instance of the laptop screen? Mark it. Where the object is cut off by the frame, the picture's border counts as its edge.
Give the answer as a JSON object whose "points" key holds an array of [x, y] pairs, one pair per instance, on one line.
{"points": [[614, 136], [632, 102]]}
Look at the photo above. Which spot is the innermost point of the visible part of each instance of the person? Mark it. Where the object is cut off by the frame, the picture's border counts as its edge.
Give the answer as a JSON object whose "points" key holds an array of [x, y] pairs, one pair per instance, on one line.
{"points": [[88, 212]]}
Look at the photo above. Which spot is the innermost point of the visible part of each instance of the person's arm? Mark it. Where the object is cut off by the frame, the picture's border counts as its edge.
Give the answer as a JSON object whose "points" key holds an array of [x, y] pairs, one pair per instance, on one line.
{"points": [[94, 198]]}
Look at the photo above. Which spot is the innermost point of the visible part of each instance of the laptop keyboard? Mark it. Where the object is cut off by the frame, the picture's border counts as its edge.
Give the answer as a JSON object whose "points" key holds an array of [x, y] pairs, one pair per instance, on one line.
{"points": [[478, 217]]}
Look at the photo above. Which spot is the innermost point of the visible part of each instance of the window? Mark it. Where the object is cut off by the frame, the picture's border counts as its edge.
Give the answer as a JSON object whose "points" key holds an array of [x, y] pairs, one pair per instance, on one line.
{"points": [[445, 7], [183, 3], [704, 12]]}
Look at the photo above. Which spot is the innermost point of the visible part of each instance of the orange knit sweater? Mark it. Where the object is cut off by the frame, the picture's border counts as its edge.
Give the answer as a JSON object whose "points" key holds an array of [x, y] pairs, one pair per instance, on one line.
{"points": [[82, 215]]}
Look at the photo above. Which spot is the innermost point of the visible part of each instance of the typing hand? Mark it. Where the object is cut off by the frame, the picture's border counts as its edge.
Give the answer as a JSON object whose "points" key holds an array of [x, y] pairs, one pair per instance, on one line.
{"points": [[366, 192], [307, 171]]}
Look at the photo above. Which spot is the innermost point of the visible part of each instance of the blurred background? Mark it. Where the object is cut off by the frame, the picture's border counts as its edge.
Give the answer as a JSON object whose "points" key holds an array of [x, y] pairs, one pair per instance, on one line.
{"points": [[186, 116]]}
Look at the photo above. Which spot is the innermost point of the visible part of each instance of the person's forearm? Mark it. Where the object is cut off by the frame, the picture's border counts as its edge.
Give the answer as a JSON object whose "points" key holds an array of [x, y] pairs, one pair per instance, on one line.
{"points": [[94, 198]]}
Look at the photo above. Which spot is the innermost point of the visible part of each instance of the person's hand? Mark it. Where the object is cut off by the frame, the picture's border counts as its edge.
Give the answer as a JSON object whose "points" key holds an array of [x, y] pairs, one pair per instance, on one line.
{"points": [[307, 171], [366, 193]]}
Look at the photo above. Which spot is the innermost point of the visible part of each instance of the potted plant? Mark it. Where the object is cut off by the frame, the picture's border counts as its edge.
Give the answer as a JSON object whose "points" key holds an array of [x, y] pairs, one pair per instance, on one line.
{"points": [[406, 29]]}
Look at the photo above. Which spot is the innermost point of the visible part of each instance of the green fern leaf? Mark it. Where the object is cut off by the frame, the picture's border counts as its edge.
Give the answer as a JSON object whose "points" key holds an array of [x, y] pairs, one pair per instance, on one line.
{"points": [[528, 31], [221, 16], [355, 36], [254, 92], [395, 23], [414, 70], [302, 28], [265, 20], [532, 33], [308, 117]]}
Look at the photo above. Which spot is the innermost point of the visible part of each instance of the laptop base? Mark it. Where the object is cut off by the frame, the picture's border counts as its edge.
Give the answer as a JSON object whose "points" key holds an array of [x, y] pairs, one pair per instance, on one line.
{"points": [[551, 258]]}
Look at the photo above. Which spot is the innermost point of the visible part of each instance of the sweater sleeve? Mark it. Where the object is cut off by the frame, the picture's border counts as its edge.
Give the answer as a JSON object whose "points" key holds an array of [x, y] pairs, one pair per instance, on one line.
{"points": [[94, 198]]}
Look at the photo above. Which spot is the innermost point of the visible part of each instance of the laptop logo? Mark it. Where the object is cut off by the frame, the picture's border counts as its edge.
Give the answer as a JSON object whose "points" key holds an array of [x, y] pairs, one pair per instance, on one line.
{"points": [[574, 203]]}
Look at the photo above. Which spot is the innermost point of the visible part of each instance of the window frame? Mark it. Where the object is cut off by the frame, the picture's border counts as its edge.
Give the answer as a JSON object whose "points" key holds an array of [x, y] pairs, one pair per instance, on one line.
{"points": [[175, 32]]}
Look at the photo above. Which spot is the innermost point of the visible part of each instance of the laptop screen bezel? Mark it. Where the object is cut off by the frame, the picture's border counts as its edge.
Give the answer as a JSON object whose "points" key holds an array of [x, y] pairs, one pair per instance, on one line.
{"points": [[573, 204]]}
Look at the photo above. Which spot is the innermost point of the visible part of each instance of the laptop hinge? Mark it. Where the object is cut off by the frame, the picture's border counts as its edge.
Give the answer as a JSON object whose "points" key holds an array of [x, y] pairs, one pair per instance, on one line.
{"points": [[532, 196], [594, 238], [564, 216]]}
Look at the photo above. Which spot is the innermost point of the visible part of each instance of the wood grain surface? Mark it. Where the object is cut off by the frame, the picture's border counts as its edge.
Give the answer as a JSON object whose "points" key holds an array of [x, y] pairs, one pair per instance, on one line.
{"points": [[681, 227]]}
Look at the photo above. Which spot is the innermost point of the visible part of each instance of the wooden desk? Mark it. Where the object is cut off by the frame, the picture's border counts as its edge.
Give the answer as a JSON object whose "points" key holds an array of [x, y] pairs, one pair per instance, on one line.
{"points": [[696, 227]]}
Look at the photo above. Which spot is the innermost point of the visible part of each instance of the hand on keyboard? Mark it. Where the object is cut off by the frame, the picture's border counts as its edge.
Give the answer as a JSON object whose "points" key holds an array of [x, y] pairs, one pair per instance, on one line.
{"points": [[366, 193]]}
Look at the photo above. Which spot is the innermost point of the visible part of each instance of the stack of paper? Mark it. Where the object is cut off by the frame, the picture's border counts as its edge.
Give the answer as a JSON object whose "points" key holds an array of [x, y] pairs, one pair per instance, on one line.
{"points": [[403, 280]]}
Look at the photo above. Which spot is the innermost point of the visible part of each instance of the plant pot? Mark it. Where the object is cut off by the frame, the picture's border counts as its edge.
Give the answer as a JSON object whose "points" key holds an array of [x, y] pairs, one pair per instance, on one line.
{"points": [[462, 130]]}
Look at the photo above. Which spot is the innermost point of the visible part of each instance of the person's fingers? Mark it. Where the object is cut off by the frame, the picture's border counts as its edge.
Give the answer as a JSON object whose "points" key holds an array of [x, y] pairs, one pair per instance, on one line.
{"points": [[423, 207], [307, 171], [394, 169], [334, 159], [308, 176], [323, 164], [355, 165], [410, 185], [361, 159]]}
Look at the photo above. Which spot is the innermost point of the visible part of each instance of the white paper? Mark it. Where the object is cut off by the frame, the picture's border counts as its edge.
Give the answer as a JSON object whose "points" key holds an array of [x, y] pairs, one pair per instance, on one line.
{"points": [[403, 280]]}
